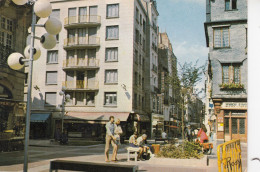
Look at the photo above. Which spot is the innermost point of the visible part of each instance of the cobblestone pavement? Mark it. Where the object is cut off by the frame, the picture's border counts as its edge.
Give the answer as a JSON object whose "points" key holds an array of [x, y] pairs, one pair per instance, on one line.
{"points": [[40, 155]]}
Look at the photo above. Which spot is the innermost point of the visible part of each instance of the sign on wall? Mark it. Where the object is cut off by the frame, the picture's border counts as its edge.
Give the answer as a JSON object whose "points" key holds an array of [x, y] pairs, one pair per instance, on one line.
{"points": [[234, 105]]}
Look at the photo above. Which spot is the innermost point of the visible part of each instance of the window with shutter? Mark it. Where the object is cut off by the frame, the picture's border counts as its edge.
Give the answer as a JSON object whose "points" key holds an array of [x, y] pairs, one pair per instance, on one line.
{"points": [[112, 32], [52, 57], [111, 76], [112, 10], [231, 73], [51, 77], [50, 98], [111, 54]]}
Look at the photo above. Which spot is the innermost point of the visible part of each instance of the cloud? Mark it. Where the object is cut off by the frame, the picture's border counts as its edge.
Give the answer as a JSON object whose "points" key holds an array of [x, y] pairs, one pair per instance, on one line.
{"points": [[200, 2], [187, 52]]}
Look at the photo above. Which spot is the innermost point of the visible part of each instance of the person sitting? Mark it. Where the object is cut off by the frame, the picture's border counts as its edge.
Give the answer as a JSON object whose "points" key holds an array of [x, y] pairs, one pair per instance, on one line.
{"points": [[133, 143], [142, 142], [202, 134]]}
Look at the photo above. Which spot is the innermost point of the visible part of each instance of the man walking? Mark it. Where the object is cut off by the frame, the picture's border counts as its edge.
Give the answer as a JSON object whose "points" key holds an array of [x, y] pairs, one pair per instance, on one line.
{"points": [[110, 138]]}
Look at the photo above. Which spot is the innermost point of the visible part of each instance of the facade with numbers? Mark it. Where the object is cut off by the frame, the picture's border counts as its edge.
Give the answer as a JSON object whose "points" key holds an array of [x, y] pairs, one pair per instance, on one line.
{"points": [[226, 37], [101, 60]]}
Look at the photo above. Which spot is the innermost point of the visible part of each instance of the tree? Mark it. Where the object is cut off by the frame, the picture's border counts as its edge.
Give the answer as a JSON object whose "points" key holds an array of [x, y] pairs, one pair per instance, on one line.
{"points": [[183, 83]]}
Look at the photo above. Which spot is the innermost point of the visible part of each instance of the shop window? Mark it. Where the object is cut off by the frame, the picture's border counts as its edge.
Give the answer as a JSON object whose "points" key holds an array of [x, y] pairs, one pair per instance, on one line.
{"points": [[234, 125], [242, 126]]}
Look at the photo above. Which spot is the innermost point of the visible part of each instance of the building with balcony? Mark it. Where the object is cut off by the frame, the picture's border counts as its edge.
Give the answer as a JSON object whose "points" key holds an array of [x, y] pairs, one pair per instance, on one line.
{"points": [[14, 22], [102, 60], [226, 37]]}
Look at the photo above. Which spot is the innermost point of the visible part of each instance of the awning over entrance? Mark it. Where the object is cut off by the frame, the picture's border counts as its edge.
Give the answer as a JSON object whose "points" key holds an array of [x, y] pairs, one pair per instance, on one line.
{"points": [[96, 116], [39, 117], [143, 118]]}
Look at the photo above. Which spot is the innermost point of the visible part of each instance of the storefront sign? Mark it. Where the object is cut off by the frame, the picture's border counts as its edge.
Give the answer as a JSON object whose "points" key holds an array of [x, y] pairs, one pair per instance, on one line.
{"points": [[220, 127], [236, 105], [220, 120]]}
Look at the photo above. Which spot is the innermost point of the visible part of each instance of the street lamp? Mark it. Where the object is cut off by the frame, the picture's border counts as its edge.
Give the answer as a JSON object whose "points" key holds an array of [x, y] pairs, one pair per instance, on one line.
{"points": [[65, 98], [41, 8]]}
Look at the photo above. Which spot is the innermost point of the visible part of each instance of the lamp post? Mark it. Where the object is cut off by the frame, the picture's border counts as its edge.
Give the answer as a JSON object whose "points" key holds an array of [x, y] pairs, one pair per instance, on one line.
{"points": [[41, 8], [65, 98]]}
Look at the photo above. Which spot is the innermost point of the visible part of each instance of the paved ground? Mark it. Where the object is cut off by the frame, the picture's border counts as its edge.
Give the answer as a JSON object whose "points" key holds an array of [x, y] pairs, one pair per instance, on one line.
{"points": [[42, 152]]}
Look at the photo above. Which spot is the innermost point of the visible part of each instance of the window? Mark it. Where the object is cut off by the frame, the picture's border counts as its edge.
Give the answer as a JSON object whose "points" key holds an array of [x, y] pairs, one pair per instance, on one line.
{"points": [[136, 57], [9, 25], [111, 54], [111, 76], [82, 14], [51, 77], [112, 10], [52, 57], [231, 73], [112, 32], [137, 36], [144, 44], [137, 14], [6, 29], [230, 5], [221, 37], [90, 98], [143, 83], [72, 15], [79, 98], [135, 100], [144, 26], [50, 98], [110, 98], [136, 78], [26, 79], [139, 79]]}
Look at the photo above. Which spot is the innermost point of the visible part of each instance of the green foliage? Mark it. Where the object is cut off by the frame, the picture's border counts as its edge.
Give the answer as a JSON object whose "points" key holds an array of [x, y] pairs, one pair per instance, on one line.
{"points": [[231, 86], [186, 150]]}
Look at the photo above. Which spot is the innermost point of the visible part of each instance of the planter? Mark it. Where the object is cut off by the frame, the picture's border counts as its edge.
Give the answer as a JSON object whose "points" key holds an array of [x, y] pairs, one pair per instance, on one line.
{"points": [[231, 86]]}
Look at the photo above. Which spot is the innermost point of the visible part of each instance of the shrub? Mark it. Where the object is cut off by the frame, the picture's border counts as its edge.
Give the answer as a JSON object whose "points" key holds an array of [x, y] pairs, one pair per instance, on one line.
{"points": [[186, 150]]}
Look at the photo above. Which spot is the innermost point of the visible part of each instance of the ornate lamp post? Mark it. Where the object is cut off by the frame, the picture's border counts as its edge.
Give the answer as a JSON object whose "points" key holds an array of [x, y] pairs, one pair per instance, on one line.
{"points": [[41, 8]]}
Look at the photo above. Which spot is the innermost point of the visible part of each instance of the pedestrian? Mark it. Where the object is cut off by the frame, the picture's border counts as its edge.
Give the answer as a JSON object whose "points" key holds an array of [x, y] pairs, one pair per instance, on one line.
{"points": [[189, 133], [142, 142], [118, 131], [164, 135], [202, 134], [110, 138]]}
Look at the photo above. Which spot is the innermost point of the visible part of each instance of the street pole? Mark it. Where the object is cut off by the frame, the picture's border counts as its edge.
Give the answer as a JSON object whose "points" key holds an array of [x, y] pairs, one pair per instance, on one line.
{"points": [[29, 92], [63, 111]]}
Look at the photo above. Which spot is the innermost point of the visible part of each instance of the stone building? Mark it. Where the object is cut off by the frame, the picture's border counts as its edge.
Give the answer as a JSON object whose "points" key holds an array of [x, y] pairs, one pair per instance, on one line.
{"points": [[102, 61], [226, 37], [14, 21]]}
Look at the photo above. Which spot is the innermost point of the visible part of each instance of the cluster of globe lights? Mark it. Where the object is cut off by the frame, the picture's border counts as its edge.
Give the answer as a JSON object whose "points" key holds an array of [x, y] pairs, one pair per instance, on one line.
{"points": [[42, 9]]}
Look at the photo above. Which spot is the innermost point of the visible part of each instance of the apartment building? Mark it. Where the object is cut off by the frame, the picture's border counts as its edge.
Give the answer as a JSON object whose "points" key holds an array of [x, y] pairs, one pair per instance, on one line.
{"points": [[101, 60], [14, 22], [167, 68], [226, 37]]}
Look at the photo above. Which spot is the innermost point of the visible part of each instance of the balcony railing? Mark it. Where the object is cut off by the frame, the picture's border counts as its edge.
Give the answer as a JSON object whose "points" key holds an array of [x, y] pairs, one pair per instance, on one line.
{"points": [[82, 19], [82, 41], [81, 84], [81, 62]]}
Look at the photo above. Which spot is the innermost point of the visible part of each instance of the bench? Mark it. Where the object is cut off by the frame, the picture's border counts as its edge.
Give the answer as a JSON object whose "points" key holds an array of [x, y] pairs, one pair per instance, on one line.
{"points": [[132, 150], [160, 139], [90, 166]]}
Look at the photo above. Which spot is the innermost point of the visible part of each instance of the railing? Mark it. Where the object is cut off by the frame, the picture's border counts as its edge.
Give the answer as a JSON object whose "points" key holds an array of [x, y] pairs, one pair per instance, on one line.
{"points": [[81, 62], [80, 84], [91, 40], [229, 156], [82, 19]]}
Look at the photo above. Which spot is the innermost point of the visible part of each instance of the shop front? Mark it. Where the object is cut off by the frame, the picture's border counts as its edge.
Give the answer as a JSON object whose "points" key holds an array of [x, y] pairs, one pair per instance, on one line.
{"points": [[232, 120], [157, 125]]}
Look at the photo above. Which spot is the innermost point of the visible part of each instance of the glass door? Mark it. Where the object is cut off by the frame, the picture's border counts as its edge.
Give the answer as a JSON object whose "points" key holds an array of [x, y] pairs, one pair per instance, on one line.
{"points": [[238, 128]]}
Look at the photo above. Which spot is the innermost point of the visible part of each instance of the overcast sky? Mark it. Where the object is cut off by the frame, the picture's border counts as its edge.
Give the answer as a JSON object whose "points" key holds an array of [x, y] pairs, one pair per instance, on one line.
{"points": [[183, 20]]}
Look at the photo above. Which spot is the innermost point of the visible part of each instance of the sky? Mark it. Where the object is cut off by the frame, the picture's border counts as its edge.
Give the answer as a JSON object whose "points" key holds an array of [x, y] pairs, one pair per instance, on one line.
{"points": [[183, 20]]}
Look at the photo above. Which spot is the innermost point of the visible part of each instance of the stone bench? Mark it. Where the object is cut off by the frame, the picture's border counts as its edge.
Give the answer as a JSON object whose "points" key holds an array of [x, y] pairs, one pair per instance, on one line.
{"points": [[90, 166], [132, 150]]}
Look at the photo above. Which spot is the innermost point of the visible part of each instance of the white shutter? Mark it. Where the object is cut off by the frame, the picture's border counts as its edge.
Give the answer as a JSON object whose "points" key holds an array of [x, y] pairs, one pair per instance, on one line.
{"points": [[51, 77], [55, 14], [50, 98]]}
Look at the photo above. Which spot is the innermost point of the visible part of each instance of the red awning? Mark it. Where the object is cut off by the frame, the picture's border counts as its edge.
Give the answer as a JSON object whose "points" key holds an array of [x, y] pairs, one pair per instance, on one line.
{"points": [[96, 116]]}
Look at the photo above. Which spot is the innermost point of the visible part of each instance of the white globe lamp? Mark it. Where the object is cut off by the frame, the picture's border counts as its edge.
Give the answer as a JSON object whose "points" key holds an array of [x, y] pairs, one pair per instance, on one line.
{"points": [[48, 41], [36, 52], [20, 2], [53, 26], [42, 8], [15, 62]]}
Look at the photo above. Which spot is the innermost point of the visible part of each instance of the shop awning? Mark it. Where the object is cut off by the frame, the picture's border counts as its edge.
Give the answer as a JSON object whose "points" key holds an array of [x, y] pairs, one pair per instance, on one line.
{"points": [[39, 117], [143, 118], [96, 116]]}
